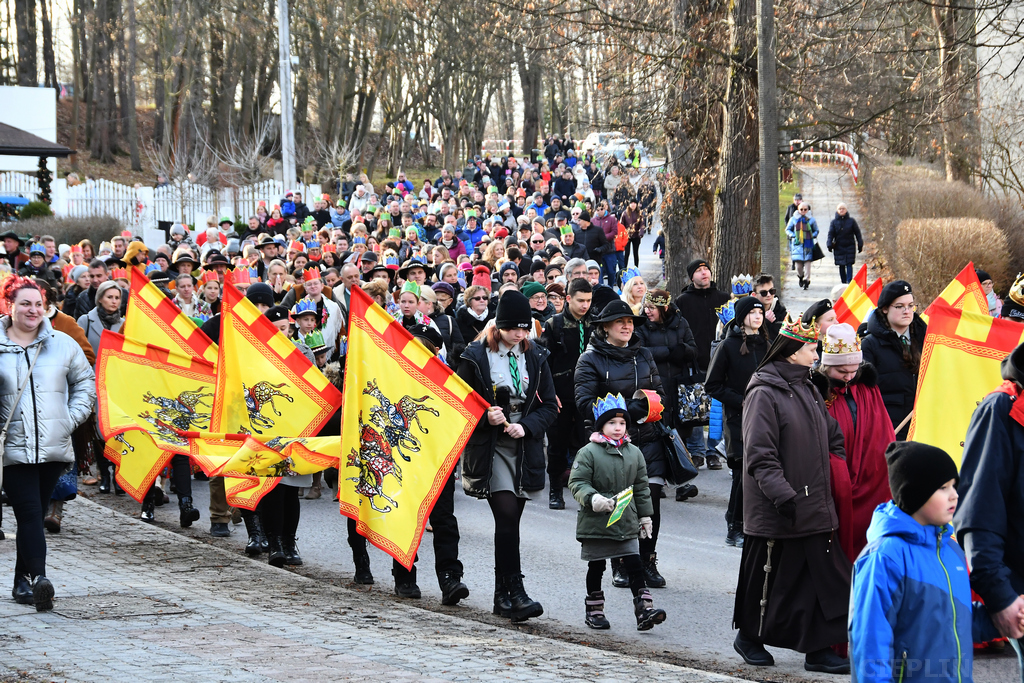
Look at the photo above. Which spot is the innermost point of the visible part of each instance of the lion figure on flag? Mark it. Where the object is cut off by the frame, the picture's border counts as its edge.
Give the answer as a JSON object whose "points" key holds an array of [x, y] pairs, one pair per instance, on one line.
{"points": [[396, 419], [257, 397], [374, 460], [180, 412]]}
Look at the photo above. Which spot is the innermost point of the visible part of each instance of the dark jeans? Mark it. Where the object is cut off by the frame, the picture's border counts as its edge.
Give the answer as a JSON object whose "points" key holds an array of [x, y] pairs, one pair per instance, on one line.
{"points": [[632, 565], [28, 490], [734, 512], [446, 536], [565, 437], [279, 511], [635, 243], [181, 475], [846, 273], [610, 266], [650, 545]]}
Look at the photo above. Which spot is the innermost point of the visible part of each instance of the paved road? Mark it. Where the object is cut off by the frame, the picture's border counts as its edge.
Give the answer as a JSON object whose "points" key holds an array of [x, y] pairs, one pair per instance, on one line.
{"points": [[823, 187]]}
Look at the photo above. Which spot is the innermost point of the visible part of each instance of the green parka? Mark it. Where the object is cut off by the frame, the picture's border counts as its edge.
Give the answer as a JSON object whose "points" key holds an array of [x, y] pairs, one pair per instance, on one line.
{"points": [[602, 468]]}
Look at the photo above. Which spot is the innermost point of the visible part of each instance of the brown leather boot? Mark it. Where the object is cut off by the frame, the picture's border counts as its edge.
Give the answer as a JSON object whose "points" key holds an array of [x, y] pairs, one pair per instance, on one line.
{"points": [[54, 516]]}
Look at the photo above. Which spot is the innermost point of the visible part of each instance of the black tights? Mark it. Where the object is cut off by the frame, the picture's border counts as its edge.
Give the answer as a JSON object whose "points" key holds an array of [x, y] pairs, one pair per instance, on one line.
{"points": [[507, 509], [649, 545], [634, 570], [279, 511]]}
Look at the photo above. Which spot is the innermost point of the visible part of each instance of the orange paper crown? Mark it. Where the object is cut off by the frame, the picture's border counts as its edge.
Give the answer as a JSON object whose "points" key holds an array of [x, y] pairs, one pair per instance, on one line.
{"points": [[310, 274], [654, 405]]}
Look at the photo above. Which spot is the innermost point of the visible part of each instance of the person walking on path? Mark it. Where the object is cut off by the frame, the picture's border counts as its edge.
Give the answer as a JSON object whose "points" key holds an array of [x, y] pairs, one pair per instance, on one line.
{"points": [[605, 469], [794, 581], [893, 345], [850, 389], [845, 242], [38, 423], [802, 231], [504, 458]]}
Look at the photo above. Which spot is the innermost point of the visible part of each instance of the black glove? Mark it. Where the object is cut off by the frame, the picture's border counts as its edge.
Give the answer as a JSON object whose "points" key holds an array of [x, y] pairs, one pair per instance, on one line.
{"points": [[788, 510]]}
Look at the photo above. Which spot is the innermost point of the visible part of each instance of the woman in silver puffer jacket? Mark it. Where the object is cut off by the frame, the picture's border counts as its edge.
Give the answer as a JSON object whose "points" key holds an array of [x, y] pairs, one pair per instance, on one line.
{"points": [[58, 398]]}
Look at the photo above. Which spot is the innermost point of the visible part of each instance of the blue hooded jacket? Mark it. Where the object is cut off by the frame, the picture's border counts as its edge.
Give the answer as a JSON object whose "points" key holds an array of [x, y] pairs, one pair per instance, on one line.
{"points": [[910, 603]]}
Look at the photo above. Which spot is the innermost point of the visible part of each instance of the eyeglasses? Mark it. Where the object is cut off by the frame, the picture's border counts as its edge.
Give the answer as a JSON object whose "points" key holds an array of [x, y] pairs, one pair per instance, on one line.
{"points": [[900, 308], [539, 298], [767, 292], [478, 298], [802, 210], [540, 241]]}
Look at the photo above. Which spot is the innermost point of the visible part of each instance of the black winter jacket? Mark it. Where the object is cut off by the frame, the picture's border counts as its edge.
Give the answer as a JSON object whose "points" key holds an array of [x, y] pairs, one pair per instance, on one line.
{"points": [[698, 307], [844, 239], [728, 375], [595, 242], [897, 382], [672, 346], [470, 327], [539, 411], [452, 336], [606, 369]]}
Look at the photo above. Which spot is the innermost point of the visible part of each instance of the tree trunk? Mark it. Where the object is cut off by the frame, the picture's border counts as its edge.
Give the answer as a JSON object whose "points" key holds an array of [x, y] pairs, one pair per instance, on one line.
{"points": [[49, 61], [25, 19], [76, 65], [768, 122], [530, 81], [737, 232], [133, 123], [954, 24]]}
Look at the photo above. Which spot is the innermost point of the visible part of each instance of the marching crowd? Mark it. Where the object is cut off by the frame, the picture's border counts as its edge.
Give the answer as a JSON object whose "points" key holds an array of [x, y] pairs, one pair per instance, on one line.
{"points": [[516, 274]]}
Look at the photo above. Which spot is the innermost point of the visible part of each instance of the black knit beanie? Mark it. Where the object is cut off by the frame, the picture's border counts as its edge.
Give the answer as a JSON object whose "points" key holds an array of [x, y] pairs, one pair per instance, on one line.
{"points": [[694, 265], [743, 307], [916, 471], [513, 312]]}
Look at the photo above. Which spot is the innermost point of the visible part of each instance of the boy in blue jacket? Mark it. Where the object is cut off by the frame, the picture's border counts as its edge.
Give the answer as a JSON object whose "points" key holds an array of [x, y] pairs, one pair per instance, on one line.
{"points": [[910, 603]]}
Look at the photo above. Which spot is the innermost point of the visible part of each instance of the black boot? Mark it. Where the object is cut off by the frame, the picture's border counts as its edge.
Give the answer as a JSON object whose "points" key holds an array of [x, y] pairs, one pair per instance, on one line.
{"points": [[22, 591], [405, 585], [275, 551], [753, 652], [595, 611], [148, 514], [158, 497], [653, 578], [104, 477], [646, 615], [620, 579], [685, 491], [452, 588], [361, 558], [113, 481], [523, 607], [291, 552], [555, 500], [502, 605], [187, 513], [826, 661], [252, 527], [42, 593], [735, 535]]}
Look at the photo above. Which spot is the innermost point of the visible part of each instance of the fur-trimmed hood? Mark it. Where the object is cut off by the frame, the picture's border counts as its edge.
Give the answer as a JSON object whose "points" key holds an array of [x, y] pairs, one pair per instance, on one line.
{"points": [[866, 376]]}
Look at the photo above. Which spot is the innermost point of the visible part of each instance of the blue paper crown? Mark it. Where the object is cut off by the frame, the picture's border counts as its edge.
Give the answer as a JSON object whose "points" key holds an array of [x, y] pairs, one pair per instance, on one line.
{"points": [[254, 274], [359, 240], [37, 249], [628, 275], [742, 285], [151, 267], [313, 244], [418, 259], [390, 260], [726, 312], [304, 305], [609, 402]]}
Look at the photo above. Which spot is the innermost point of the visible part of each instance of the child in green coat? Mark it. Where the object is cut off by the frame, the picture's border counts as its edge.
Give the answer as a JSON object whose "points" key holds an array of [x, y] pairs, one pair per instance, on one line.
{"points": [[609, 480]]}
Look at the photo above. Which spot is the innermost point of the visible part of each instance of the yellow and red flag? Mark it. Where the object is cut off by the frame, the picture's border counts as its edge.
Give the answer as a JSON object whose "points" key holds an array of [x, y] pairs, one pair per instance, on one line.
{"points": [[153, 318], [959, 367], [147, 396], [405, 421], [265, 386], [857, 299], [963, 293]]}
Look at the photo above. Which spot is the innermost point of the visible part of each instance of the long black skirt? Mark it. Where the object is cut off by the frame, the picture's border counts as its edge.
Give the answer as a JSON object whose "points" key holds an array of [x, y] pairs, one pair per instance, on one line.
{"points": [[808, 592]]}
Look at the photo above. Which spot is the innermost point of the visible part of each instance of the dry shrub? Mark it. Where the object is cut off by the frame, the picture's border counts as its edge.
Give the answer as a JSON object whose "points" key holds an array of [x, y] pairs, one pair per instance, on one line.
{"points": [[1010, 219], [901, 193], [69, 230], [930, 252]]}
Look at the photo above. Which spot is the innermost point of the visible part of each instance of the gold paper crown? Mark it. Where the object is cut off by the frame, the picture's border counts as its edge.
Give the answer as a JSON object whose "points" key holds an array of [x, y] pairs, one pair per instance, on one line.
{"points": [[1017, 291], [836, 347], [653, 300], [795, 329]]}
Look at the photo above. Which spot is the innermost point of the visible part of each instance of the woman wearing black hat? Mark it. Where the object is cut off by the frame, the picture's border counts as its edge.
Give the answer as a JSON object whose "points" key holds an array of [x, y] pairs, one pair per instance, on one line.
{"points": [[504, 458], [732, 366], [615, 362], [794, 582], [893, 345], [821, 314]]}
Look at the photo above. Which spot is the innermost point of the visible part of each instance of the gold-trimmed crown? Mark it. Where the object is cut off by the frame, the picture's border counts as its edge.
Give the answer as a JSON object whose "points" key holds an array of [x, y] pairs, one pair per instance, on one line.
{"points": [[795, 329], [838, 346], [654, 300], [1017, 291]]}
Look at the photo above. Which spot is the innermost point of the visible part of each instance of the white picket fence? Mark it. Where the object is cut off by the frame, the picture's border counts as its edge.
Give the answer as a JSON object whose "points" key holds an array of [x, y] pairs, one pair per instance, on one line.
{"points": [[141, 208]]}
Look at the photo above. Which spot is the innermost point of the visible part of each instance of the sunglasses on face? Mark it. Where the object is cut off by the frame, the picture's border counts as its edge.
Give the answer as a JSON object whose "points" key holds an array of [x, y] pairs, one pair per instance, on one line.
{"points": [[767, 292], [478, 298]]}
